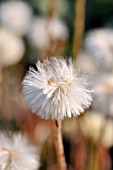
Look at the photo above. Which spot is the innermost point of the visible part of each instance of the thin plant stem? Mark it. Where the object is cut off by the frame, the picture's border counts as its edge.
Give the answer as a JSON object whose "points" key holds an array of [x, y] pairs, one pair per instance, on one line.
{"points": [[5, 103], [90, 156], [78, 26], [0, 84], [59, 145], [51, 11], [101, 151], [51, 8], [79, 146], [105, 122], [80, 153]]}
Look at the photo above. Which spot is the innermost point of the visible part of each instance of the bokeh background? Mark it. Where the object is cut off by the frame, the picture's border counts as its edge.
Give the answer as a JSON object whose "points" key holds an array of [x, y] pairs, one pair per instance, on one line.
{"points": [[37, 29]]}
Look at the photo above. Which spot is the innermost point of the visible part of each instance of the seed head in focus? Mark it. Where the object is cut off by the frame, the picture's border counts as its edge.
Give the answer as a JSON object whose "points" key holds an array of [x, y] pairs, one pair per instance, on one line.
{"points": [[55, 90]]}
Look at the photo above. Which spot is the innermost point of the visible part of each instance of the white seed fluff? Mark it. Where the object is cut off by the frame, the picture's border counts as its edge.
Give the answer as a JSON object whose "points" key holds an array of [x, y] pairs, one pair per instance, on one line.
{"points": [[16, 16], [55, 90], [12, 51], [16, 153]]}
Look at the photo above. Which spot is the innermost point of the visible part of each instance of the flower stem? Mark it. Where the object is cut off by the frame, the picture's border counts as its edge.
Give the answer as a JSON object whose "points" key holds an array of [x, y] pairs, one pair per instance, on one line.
{"points": [[52, 4], [78, 26], [59, 146]]}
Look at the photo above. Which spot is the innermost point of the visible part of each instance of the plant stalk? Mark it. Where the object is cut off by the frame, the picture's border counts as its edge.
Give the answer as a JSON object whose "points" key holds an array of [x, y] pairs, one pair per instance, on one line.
{"points": [[78, 26], [59, 145]]}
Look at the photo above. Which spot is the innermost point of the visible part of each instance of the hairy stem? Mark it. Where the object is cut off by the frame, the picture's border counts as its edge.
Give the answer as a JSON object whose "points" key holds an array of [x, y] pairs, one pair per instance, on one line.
{"points": [[59, 146]]}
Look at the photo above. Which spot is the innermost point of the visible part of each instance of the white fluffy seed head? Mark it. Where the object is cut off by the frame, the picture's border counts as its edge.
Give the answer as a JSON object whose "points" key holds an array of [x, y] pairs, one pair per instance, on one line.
{"points": [[16, 153], [16, 15], [103, 97], [37, 34], [55, 90], [42, 31], [11, 48], [99, 44]]}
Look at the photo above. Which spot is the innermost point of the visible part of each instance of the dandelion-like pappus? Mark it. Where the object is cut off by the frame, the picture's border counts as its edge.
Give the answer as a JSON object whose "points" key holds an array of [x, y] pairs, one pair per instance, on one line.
{"points": [[55, 90]]}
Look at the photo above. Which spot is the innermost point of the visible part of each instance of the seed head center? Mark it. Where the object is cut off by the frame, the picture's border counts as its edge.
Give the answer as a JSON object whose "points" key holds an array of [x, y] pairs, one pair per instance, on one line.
{"points": [[51, 81]]}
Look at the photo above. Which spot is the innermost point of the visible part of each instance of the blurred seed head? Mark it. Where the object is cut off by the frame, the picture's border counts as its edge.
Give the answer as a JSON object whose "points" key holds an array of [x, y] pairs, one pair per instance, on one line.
{"points": [[99, 44], [61, 8], [11, 48], [86, 63], [15, 15], [43, 31], [43, 131], [17, 153], [37, 34], [103, 96], [92, 125], [57, 30]]}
